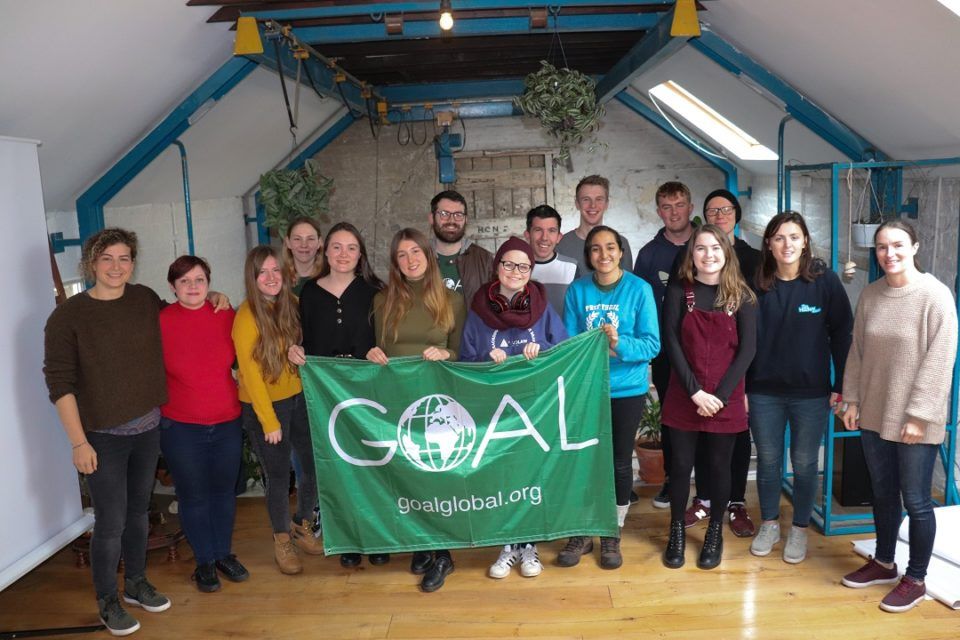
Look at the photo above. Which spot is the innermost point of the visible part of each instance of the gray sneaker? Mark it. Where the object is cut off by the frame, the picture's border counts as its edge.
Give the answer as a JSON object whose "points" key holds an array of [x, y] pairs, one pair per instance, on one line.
{"points": [[115, 617], [140, 592], [766, 539], [795, 550]]}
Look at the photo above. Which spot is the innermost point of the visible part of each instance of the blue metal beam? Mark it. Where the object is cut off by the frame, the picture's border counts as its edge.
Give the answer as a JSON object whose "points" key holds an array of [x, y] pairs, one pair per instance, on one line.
{"points": [[728, 168], [448, 91], [836, 133], [477, 27], [654, 47], [379, 8], [90, 203], [500, 109], [323, 77]]}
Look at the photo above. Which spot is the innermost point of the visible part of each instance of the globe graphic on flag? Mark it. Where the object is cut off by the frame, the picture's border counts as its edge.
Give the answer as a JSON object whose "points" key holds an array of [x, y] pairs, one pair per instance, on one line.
{"points": [[436, 433]]}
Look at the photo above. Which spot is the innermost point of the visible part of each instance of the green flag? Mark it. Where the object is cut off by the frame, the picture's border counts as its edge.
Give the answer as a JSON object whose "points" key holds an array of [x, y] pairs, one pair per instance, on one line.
{"points": [[422, 455]]}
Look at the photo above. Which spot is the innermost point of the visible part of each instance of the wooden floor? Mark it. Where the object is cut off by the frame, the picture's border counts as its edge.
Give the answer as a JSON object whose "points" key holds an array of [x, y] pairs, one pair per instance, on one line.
{"points": [[746, 597]]}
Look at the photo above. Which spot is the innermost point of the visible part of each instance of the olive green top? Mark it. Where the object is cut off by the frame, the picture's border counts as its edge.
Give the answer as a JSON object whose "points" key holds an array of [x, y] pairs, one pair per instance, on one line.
{"points": [[416, 331]]}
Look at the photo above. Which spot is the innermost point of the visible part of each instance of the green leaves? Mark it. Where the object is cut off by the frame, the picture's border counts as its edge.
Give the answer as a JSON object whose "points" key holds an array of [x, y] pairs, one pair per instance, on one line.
{"points": [[565, 103], [288, 194]]}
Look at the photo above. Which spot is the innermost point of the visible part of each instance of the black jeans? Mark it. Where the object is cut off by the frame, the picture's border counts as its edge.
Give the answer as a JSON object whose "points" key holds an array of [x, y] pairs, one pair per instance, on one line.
{"points": [[625, 416], [275, 460], [120, 489], [661, 379], [717, 449]]}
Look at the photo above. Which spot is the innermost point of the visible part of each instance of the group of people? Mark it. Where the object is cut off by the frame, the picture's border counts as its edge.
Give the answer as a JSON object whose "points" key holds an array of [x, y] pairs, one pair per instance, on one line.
{"points": [[741, 341]]}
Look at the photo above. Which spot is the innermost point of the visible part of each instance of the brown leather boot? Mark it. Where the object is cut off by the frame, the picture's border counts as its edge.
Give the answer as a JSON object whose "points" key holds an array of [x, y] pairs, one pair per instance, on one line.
{"points": [[303, 537], [286, 554]]}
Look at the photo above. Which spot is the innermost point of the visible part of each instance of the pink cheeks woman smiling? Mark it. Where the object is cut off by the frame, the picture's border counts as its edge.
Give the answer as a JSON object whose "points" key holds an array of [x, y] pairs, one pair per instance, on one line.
{"points": [[191, 288], [342, 252], [411, 260], [708, 258], [270, 278], [896, 254]]}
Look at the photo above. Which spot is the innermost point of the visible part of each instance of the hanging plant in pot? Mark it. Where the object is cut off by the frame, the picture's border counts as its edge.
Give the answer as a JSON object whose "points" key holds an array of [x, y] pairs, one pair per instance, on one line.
{"points": [[649, 447], [290, 193], [565, 103]]}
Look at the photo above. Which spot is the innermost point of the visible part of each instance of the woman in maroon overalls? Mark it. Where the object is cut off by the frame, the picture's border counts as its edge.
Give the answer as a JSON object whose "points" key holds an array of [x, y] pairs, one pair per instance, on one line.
{"points": [[710, 337]]}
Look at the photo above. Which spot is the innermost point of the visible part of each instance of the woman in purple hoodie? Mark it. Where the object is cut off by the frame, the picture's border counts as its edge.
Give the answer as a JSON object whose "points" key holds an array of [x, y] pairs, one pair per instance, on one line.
{"points": [[511, 316]]}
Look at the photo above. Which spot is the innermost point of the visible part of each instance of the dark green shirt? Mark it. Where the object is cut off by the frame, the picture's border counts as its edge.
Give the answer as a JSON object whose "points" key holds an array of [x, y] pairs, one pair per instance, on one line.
{"points": [[450, 273]]}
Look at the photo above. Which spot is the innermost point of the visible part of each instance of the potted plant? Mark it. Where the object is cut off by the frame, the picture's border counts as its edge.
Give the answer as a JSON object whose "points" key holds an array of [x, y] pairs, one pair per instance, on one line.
{"points": [[649, 447], [565, 103], [290, 193]]}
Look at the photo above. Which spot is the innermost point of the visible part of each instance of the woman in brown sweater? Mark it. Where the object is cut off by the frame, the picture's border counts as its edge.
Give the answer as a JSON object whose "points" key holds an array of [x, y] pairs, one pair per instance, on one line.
{"points": [[104, 369], [415, 315], [897, 383]]}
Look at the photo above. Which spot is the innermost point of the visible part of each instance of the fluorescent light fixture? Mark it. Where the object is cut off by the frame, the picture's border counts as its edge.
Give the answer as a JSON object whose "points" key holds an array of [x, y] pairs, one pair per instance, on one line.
{"points": [[953, 5], [707, 120]]}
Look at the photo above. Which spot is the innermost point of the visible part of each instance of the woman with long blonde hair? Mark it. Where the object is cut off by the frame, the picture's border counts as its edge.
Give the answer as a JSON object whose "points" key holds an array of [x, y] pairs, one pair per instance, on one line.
{"points": [[417, 316], [710, 336], [274, 413]]}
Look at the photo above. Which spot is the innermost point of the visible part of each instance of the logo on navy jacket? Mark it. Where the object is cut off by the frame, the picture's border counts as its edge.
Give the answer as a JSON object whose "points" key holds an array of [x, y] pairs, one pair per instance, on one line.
{"points": [[808, 308], [503, 343]]}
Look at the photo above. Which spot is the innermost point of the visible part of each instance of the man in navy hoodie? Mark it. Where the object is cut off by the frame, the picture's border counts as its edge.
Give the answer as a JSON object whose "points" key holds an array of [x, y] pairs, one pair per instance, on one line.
{"points": [[654, 264]]}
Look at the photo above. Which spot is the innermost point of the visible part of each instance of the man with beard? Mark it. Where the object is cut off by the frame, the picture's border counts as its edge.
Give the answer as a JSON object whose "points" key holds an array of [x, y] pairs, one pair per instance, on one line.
{"points": [[592, 197], [464, 266], [655, 263]]}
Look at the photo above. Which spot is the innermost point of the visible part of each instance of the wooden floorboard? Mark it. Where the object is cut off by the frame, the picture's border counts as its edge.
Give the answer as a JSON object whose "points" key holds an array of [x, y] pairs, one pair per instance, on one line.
{"points": [[746, 598]]}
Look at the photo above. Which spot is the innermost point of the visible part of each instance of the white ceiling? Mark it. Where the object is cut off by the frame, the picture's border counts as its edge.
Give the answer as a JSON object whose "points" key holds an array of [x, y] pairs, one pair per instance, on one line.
{"points": [[90, 79], [887, 68]]}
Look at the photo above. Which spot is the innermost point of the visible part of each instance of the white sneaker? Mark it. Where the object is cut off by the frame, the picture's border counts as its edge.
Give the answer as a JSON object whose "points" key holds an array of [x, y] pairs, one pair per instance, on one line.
{"points": [[766, 539], [795, 551], [508, 557], [530, 561]]}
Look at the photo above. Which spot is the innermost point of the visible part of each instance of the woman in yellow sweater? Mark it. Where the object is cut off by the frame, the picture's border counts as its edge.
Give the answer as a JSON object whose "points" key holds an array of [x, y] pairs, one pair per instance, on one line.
{"points": [[274, 413], [415, 315]]}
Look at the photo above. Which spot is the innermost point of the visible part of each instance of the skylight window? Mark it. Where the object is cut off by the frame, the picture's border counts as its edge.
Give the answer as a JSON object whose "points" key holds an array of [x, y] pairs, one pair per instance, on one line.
{"points": [[703, 117], [953, 5]]}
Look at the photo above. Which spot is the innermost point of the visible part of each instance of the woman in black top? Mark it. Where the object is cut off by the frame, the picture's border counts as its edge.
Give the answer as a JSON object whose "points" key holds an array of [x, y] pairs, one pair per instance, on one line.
{"points": [[804, 321], [336, 314]]}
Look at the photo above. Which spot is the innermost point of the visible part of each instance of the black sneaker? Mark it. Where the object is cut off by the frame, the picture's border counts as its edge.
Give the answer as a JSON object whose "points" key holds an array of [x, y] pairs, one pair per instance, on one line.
{"points": [[662, 499], [206, 578], [115, 617], [378, 559], [350, 560], [232, 570]]}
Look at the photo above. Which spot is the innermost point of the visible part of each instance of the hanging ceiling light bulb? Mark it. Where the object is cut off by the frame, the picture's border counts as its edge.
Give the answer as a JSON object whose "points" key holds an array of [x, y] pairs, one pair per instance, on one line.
{"points": [[446, 15]]}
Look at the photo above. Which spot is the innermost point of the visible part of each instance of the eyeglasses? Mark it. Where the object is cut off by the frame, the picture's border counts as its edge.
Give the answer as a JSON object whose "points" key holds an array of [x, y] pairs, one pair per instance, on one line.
{"points": [[522, 267], [459, 216], [720, 211]]}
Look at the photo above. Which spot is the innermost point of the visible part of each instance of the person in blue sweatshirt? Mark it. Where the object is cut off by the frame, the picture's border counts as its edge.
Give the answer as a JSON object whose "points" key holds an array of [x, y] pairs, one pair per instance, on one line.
{"points": [[622, 306], [804, 322], [509, 316]]}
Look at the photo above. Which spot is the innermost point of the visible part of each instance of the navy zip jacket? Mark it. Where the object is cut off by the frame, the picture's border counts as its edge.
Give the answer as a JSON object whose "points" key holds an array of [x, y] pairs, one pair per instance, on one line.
{"points": [[800, 326]]}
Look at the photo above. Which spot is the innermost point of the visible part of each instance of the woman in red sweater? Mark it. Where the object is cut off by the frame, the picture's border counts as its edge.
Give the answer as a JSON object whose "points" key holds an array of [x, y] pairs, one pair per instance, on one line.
{"points": [[200, 433]]}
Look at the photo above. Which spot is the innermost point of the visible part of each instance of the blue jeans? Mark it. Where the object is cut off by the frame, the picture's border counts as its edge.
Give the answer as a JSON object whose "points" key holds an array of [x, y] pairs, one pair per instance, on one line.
{"points": [[204, 461], [808, 419], [121, 488], [906, 470]]}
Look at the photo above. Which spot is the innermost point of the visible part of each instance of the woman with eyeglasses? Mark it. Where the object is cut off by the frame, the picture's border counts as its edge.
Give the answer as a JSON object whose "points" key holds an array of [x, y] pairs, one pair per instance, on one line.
{"points": [[509, 316], [896, 385], [415, 315], [710, 336], [622, 306]]}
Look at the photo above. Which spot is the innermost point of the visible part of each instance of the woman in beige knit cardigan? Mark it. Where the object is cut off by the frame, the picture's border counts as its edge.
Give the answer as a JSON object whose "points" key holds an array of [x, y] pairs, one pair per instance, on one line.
{"points": [[897, 383]]}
